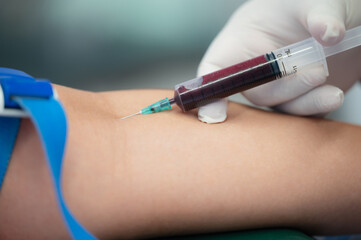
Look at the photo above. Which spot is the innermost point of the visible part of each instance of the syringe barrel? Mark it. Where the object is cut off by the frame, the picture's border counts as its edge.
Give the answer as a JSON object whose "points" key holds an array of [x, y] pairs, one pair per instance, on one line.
{"points": [[298, 56], [240, 77], [249, 74]]}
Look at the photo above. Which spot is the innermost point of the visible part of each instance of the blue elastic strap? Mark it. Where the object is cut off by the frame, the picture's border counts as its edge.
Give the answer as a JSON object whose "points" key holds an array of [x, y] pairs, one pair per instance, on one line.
{"points": [[20, 90], [50, 121], [8, 131]]}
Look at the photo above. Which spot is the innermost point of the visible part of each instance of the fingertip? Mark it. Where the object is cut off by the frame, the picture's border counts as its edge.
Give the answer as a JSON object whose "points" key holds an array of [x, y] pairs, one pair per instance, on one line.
{"points": [[215, 112], [211, 120], [331, 101], [321, 100], [327, 30]]}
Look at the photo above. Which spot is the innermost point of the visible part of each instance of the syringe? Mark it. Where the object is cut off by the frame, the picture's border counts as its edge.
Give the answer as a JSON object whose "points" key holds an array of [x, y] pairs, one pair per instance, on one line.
{"points": [[249, 74]]}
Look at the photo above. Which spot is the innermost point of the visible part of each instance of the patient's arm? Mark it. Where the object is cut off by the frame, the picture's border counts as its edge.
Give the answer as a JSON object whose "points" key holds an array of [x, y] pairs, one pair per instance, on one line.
{"points": [[168, 173]]}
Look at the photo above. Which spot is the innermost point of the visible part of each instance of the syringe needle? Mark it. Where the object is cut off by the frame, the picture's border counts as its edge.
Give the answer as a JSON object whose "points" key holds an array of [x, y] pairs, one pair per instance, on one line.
{"points": [[132, 115], [161, 105]]}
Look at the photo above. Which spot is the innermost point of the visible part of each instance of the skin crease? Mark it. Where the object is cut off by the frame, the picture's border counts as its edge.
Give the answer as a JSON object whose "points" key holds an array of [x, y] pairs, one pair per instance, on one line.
{"points": [[168, 173]]}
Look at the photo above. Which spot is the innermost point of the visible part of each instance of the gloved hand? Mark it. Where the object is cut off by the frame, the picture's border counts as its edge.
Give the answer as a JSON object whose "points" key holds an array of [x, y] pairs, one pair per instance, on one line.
{"points": [[260, 26]]}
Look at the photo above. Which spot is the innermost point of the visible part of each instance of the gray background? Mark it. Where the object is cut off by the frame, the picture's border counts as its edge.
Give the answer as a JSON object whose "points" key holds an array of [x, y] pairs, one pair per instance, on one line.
{"points": [[119, 44]]}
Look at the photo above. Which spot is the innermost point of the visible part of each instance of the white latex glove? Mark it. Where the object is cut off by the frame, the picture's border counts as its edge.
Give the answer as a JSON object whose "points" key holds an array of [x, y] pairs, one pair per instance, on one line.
{"points": [[260, 26]]}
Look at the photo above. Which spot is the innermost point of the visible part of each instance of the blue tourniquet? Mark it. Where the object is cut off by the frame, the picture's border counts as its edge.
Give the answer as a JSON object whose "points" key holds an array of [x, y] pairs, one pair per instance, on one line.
{"points": [[36, 98]]}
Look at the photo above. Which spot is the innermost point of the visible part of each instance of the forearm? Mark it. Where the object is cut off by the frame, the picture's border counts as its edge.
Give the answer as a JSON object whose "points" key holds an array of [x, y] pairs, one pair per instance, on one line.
{"points": [[258, 169], [169, 173]]}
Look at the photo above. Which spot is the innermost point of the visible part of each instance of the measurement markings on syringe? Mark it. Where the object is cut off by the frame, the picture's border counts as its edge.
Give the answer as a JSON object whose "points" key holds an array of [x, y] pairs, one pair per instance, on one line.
{"points": [[288, 53]]}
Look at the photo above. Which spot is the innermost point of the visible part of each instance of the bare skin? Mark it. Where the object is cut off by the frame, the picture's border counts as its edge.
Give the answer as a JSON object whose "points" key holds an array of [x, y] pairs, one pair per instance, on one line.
{"points": [[168, 173]]}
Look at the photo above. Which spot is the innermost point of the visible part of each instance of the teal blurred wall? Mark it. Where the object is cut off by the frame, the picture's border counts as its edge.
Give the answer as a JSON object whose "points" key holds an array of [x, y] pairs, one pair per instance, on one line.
{"points": [[90, 44]]}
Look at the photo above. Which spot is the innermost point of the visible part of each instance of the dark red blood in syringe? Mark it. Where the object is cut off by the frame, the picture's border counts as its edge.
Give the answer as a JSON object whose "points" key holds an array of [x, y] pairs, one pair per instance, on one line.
{"points": [[228, 81], [236, 68]]}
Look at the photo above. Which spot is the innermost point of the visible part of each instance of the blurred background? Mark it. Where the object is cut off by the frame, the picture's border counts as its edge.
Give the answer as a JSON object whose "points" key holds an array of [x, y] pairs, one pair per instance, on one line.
{"points": [[119, 44]]}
